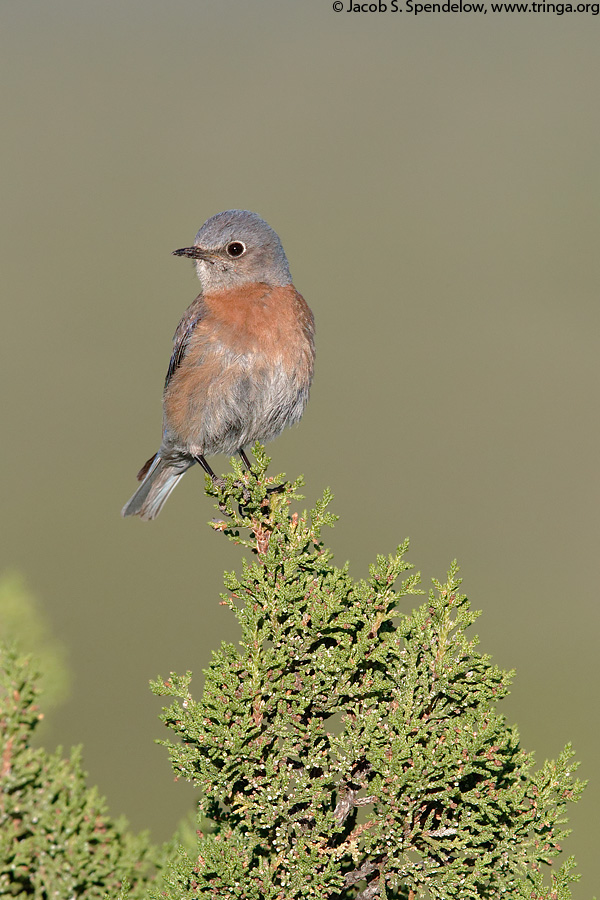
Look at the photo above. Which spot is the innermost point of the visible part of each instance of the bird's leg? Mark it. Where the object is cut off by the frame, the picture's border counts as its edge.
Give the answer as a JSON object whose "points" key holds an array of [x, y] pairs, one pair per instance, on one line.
{"points": [[200, 459], [244, 458], [219, 482]]}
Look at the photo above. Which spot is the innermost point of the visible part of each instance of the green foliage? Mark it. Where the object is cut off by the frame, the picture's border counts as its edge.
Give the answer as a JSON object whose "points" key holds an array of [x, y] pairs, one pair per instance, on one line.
{"points": [[56, 840], [23, 624], [351, 748]]}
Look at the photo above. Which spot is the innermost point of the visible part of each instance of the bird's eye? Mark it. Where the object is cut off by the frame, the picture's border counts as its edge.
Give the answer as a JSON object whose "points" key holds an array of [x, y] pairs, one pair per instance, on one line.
{"points": [[235, 249]]}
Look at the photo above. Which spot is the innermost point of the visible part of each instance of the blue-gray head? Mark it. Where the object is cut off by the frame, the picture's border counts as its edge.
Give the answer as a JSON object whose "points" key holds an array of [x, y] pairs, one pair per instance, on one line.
{"points": [[237, 247]]}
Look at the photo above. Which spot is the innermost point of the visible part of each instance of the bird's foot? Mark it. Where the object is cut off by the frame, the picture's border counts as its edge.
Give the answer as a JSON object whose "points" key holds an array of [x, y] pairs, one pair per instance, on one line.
{"points": [[277, 488]]}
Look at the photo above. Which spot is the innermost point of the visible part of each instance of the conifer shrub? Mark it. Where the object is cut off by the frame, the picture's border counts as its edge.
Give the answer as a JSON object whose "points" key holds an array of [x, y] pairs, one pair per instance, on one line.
{"points": [[350, 746], [57, 841]]}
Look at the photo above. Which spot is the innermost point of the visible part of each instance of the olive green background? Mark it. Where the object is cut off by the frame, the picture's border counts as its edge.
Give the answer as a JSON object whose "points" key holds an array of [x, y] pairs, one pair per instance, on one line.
{"points": [[434, 180]]}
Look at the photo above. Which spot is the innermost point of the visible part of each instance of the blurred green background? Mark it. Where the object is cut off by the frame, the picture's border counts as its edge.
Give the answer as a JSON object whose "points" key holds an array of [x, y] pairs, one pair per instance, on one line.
{"points": [[435, 184]]}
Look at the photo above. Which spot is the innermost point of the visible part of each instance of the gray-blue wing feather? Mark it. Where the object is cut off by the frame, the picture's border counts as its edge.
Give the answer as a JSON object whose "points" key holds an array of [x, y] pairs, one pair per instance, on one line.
{"points": [[193, 314]]}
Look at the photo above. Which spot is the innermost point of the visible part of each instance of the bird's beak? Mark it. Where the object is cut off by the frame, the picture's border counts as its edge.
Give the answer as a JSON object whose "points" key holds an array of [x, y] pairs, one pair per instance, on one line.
{"points": [[193, 253]]}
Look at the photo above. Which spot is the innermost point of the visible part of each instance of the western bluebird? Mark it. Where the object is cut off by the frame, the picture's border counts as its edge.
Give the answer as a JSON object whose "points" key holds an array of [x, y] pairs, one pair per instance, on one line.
{"points": [[242, 360]]}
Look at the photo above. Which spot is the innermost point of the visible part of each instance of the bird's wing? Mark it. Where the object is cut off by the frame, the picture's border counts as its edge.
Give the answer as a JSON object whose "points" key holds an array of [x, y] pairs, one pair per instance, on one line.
{"points": [[193, 314]]}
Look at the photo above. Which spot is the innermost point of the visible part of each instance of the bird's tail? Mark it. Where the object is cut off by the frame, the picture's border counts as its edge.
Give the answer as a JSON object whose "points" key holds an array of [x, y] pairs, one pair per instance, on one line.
{"points": [[159, 479]]}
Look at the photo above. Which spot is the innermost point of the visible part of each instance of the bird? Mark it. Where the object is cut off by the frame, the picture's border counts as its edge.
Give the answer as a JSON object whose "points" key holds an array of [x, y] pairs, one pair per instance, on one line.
{"points": [[243, 356]]}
